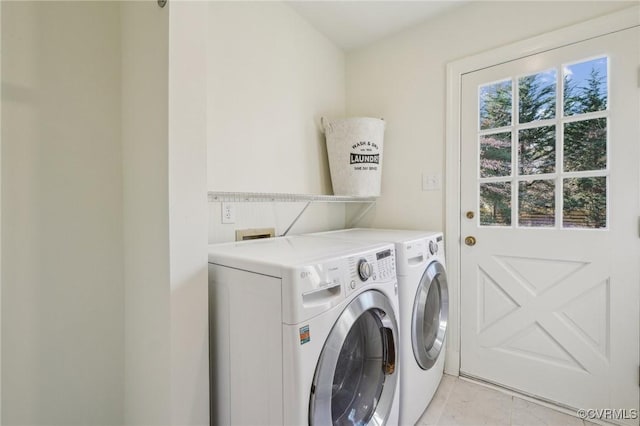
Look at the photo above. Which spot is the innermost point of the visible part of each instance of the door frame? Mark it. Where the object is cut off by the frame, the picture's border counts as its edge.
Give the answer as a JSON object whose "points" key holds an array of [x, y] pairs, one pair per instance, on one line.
{"points": [[614, 22]]}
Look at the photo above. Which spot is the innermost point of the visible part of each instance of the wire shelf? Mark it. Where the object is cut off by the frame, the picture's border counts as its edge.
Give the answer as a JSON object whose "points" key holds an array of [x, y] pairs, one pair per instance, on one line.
{"points": [[265, 197], [257, 197]]}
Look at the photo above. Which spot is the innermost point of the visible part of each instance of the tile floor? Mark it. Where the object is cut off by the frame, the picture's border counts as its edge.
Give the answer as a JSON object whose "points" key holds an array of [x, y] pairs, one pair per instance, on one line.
{"points": [[460, 402]]}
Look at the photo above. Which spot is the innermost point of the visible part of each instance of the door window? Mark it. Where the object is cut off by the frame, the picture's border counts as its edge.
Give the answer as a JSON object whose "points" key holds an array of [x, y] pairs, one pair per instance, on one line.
{"points": [[539, 168]]}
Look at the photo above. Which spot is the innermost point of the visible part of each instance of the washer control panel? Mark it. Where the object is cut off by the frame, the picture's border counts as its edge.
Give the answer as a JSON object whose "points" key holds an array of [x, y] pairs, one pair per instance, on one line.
{"points": [[364, 269], [386, 264], [423, 250], [372, 267], [433, 247]]}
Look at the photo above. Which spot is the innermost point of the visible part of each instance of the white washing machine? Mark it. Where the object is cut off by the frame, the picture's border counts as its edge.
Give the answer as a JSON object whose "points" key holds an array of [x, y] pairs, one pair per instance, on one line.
{"points": [[303, 330], [424, 308]]}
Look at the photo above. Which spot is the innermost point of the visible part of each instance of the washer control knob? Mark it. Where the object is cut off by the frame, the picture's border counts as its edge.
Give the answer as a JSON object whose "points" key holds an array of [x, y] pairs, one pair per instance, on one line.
{"points": [[364, 269], [433, 247]]}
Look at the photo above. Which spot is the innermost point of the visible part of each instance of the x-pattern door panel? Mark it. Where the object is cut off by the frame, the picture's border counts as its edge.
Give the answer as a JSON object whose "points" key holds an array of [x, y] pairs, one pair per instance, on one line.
{"points": [[549, 291], [555, 305], [540, 310]]}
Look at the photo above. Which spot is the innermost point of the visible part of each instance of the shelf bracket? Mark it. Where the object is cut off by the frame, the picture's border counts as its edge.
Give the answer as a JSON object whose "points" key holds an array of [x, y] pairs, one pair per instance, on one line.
{"points": [[296, 219], [360, 215]]}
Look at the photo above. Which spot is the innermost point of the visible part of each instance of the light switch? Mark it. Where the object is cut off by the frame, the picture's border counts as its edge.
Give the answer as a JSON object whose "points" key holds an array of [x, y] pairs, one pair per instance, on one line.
{"points": [[431, 182]]}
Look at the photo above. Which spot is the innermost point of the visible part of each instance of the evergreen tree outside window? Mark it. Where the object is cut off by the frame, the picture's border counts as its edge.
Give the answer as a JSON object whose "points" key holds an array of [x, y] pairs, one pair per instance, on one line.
{"points": [[538, 133]]}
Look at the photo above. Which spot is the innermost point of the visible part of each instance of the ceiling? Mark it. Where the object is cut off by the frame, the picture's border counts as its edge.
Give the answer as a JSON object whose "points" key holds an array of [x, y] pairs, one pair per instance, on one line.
{"points": [[355, 23]]}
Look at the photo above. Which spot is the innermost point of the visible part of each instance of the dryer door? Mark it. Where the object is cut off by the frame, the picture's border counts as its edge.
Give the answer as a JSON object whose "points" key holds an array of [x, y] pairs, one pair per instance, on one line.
{"points": [[357, 373], [430, 312]]}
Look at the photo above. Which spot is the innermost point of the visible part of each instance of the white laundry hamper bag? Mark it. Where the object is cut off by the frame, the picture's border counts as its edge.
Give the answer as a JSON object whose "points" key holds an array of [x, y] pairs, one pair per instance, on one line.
{"points": [[354, 147]]}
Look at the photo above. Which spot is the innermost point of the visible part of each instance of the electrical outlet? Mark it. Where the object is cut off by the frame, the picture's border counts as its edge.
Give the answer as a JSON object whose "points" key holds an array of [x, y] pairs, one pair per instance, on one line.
{"points": [[228, 213], [431, 182]]}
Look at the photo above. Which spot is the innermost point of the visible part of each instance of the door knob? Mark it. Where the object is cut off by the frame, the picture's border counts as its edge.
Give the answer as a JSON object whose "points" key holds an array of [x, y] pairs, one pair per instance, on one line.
{"points": [[470, 241], [470, 215]]}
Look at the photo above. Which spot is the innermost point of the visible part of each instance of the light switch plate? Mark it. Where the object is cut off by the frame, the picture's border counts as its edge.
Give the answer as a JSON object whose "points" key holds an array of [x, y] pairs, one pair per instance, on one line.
{"points": [[431, 182]]}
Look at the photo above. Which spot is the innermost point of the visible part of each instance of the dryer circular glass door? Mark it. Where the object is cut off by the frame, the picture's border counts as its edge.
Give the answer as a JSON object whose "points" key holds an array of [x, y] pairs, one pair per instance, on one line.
{"points": [[430, 312], [356, 376]]}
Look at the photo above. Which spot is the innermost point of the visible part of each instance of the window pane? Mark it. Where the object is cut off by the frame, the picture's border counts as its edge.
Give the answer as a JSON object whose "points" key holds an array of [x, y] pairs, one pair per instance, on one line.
{"points": [[585, 203], [585, 145], [536, 203], [585, 87], [537, 96], [537, 150], [495, 105], [495, 155], [495, 203]]}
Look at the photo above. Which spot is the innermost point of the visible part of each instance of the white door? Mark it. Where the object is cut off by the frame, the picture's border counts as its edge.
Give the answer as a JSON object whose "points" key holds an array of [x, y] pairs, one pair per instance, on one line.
{"points": [[550, 192]]}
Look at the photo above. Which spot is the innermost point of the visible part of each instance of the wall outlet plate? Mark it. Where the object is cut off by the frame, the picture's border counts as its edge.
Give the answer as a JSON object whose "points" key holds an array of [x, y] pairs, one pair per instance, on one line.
{"points": [[228, 213]]}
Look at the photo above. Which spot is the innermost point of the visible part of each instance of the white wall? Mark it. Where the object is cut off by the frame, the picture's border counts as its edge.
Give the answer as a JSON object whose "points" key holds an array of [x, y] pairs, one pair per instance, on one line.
{"points": [[1, 50], [188, 212], [103, 165], [278, 215], [402, 78], [145, 47], [165, 212], [271, 76], [62, 275]]}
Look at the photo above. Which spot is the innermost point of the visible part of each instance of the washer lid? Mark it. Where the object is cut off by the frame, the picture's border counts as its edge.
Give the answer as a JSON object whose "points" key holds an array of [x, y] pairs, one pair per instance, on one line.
{"points": [[269, 256], [412, 247], [372, 234]]}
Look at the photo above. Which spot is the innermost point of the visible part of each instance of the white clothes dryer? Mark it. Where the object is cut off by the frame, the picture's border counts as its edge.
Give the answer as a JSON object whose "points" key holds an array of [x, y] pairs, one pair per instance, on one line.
{"points": [[424, 308], [303, 330]]}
